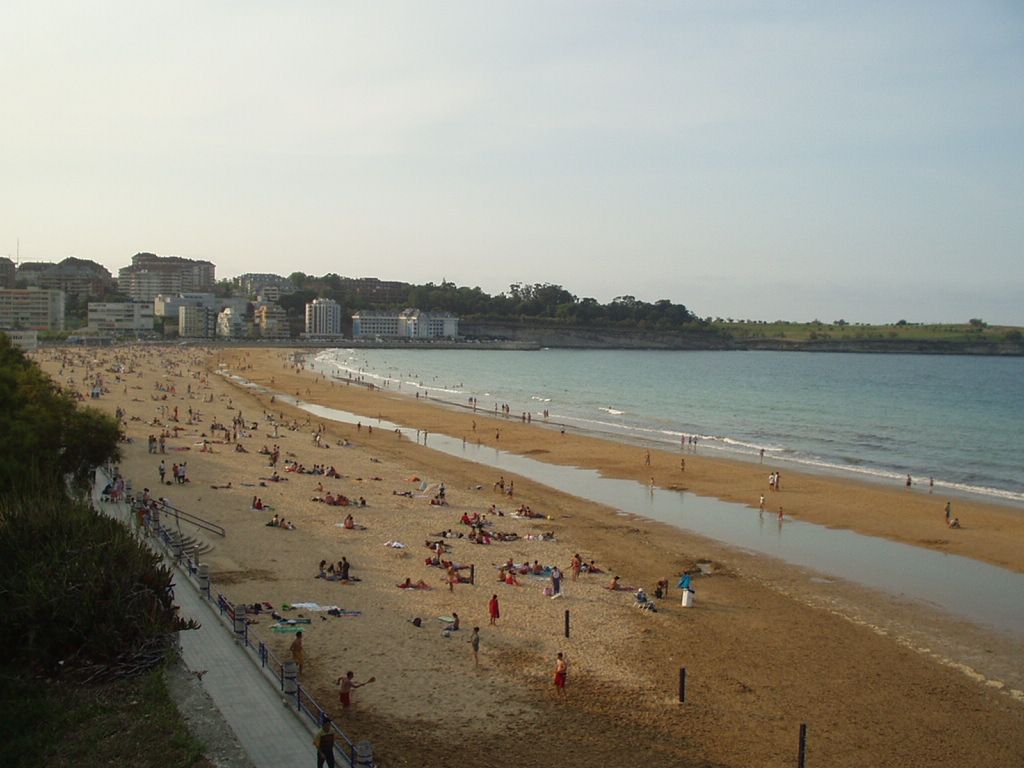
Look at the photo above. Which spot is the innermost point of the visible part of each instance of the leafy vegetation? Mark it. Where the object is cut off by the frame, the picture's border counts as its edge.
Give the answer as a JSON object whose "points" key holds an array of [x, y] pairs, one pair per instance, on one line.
{"points": [[521, 303], [47, 436], [125, 722], [975, 330], [83, 600]]}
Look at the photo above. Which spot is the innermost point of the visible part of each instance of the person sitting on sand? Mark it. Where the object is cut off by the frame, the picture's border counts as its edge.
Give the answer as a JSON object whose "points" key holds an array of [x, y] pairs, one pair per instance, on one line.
{"points": [[511, 579], [322, 570], [287, 525], [954, 523], [537, 569], [613, 584], [239, 448], [275, 521]]}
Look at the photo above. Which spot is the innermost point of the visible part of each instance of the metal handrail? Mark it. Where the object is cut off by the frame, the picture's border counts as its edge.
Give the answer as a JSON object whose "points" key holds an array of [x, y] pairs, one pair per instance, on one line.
{"points": [[188, 517]]}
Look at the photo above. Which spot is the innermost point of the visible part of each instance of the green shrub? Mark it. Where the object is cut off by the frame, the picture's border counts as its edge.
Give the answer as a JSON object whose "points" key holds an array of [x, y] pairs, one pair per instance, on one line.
{"points": [[81, 595]]}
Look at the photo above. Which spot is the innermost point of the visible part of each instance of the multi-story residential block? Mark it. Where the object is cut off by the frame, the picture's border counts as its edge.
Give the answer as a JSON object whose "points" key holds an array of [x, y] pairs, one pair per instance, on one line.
{"points": [[31, 309], [7, 272], [78, 277], [323, 318], [196, 323], [121, 317], [272, 322], [232, 324], [150, 275], [407, 324]]}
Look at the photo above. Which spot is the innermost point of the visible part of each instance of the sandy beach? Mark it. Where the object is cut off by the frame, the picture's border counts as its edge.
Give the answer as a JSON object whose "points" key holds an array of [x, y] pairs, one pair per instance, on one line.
{"points": [[878, 682]]}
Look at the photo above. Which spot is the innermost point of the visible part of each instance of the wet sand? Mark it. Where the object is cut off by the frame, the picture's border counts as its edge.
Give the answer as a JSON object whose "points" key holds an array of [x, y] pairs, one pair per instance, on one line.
{"points": [[766, 647]]}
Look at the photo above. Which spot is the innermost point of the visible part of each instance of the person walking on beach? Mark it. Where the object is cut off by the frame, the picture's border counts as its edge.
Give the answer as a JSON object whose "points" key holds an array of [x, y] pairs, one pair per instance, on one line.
{"points": [[949, 512], [324, 743], [162, 470], [576, 566], [474, 643], [909, 481], [493, 611], [647, 459], [761, 505], [561, 670], [298, 652], [556, 582]]}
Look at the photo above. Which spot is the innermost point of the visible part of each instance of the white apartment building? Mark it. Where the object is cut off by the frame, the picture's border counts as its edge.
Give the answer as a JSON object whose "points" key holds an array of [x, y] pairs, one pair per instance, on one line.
{"points": [[26, 341], [323, 318], [121, 317], [32, 309], [232, 324], [407, 324]]}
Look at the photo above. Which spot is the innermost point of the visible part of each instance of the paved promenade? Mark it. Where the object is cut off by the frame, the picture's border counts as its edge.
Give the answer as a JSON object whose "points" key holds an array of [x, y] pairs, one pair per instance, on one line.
{"points": [[270, 731]]}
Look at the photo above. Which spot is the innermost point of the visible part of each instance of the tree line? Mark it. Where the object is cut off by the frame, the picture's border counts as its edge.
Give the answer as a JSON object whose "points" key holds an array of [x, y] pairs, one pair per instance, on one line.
{"points": [[522, 303]]}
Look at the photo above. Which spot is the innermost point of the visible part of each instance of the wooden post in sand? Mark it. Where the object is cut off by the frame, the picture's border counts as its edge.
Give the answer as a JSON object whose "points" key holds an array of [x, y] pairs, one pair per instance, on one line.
{"points": [[802, 752], [472, 574], [682, 684], [566, 622]]}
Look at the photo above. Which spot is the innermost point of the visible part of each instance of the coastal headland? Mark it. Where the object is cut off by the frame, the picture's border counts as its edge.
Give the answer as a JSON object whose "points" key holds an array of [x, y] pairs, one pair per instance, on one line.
{"points": [[766, 648]]}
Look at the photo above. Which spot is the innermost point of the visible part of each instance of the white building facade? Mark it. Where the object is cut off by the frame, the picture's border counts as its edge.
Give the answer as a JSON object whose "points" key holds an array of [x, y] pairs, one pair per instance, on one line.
{"points": [[323, 318], [121, 317], [407, 324], [32, 309]]}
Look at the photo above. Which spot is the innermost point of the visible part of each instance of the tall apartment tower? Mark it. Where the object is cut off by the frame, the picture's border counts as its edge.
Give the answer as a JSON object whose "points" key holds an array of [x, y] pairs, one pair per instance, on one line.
{"points": [[323, 318]]}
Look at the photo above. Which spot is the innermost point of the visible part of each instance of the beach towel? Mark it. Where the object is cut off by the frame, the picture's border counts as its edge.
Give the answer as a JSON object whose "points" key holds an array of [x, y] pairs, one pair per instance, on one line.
{"points": [[285, 628], [314, 607], [342, 613]]}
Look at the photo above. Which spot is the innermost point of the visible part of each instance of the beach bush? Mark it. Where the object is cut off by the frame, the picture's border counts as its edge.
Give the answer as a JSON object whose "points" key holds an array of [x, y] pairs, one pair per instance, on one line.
{"points": [[82, 597], [47, 435]]}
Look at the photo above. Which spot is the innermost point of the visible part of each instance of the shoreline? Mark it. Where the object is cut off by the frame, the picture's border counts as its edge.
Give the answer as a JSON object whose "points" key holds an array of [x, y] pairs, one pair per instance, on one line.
{"points": [[767, 646], [725, 447], [993, 529]]}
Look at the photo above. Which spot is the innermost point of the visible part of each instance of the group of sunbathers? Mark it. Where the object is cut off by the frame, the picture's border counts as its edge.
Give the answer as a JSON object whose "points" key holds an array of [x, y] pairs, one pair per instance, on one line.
{"points": [[339, 500], [332, 572], [318, 469], [280, 522]]}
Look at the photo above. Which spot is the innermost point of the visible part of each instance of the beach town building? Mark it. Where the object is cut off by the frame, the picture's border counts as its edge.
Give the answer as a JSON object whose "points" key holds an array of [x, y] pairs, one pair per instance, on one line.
{"points": [[31, 309], [196, 323], [167, 306], [29, 272], [232, 324], [7, 272], [407, 324], [26, 341], [323, 318], [272, 322], [150, 275], [271, 286], [121, 317], [77, 277]]}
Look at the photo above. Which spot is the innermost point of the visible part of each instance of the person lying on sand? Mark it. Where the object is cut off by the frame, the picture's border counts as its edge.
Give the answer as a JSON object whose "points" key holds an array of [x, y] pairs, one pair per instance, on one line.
{"points": [[408, 584]]}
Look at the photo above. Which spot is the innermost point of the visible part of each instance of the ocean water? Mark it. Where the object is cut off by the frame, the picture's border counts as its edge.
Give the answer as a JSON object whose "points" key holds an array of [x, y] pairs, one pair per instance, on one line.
{"points": [[959, 420]]}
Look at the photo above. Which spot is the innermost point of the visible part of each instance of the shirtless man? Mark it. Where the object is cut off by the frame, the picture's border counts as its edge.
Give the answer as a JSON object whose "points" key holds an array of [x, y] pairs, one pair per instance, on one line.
{"points": [[347, 683]]}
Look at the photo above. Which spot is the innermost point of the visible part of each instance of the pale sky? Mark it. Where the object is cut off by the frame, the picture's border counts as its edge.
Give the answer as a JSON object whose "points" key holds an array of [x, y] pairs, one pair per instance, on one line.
{"points": [[809, 160]]}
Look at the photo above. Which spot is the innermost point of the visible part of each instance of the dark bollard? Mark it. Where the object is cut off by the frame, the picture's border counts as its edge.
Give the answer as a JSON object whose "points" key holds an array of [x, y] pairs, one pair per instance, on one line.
{"points": [[566, 623], [472, 574], [802, 754], [682, 684]]}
